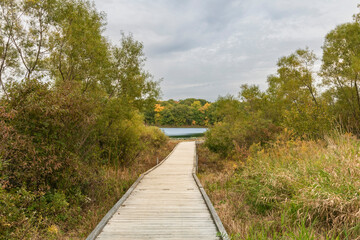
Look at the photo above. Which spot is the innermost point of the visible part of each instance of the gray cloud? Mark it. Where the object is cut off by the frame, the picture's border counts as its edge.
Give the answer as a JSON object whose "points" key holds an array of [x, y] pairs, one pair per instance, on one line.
{"points": [[209, 48]]}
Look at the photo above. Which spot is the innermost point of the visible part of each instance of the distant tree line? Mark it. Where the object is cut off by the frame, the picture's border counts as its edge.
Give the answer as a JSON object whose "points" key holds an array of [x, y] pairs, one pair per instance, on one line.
{"points": [[187, 112]]}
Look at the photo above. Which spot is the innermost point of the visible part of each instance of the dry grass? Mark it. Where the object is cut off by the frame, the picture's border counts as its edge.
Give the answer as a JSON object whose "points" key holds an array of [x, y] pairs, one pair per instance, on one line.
{"points": [[293, 189], [215, 176]]}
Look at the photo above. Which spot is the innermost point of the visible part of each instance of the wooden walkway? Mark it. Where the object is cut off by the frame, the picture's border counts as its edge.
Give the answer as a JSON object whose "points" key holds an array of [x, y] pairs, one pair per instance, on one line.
{"points": [[167, 203]]}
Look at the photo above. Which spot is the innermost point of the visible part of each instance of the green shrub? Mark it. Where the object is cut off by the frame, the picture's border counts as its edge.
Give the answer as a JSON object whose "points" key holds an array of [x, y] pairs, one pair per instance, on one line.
{"points": [[232, 139], [154, 137], [43, 129], [308, 120]]}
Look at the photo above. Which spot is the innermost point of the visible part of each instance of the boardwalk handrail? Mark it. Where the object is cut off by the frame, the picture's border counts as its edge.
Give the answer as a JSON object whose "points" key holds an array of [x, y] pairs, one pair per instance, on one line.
{"points": [[117, 205], [215, 217]]}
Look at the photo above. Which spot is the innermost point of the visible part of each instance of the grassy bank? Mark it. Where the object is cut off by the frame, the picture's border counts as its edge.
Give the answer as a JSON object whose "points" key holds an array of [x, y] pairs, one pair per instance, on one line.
{"points": [[293, 189]]}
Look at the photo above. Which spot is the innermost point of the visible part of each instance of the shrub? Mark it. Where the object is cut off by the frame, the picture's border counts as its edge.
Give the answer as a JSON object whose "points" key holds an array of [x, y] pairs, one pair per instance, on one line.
{"points": [[232, 139], [42, 131], [154, 137]]}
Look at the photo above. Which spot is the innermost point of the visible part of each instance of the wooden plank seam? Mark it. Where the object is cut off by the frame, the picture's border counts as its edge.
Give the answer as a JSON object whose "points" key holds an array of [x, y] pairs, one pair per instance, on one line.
{"points": [[111, 212]]}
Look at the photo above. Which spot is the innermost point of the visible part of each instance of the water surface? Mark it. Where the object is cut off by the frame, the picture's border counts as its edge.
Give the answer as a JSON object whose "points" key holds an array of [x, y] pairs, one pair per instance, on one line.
{"points": [[184, 132]]}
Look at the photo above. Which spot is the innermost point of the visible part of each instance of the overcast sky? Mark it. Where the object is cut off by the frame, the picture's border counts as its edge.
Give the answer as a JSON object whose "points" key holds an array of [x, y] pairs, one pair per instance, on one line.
{"points": [[208, 48]]}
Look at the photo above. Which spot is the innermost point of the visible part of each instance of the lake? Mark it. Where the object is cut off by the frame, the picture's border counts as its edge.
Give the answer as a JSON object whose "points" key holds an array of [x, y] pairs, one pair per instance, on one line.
{"points": [[184, 132]]}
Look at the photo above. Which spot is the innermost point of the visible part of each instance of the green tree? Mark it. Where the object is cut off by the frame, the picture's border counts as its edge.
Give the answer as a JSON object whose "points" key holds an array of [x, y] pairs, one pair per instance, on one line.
{"points": [[294, 97], [167, 117], [131, 82], [239, 124], [8, 53], [340, 71], [78, 51], [198, 117], [294, 81]]}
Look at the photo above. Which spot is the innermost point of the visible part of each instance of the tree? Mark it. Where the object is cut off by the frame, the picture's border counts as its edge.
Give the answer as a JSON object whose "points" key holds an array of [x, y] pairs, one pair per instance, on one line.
{"points": [[78, 51], [294, 81], [167, 117], [341, 71], [293, 95], [132, 83], [8, 54], [239, 124]]}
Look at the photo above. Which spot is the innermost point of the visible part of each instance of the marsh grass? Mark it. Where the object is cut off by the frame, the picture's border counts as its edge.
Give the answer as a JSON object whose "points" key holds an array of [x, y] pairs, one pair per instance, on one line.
{"points": [[292, 189]]}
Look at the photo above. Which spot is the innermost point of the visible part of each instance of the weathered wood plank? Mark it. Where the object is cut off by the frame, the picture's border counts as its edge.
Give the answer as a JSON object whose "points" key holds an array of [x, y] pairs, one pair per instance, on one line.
{"points": [[165, 204]]}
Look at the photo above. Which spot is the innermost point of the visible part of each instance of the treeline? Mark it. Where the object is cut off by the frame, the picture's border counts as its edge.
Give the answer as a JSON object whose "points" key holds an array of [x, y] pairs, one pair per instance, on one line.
{"points": [[286, 157], [187, 112], [71, 104]]}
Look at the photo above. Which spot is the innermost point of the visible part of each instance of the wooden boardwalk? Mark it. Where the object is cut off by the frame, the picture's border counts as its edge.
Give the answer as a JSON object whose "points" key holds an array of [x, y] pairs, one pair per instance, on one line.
{"points": [[167, 203]]}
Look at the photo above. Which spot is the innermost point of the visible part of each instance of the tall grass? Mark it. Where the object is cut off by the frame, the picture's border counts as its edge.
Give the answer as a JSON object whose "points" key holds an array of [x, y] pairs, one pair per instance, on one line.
{"points": [[292, 189]]}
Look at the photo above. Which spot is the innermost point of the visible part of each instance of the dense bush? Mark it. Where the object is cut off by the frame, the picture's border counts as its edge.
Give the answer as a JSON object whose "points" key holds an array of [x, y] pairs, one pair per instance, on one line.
{"points": [[49, 148], [240, 124], [233, 139]]}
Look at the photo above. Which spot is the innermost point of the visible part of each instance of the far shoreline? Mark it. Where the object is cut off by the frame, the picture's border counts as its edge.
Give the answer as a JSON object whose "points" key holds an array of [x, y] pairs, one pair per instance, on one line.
{"points": [[191, 126]]}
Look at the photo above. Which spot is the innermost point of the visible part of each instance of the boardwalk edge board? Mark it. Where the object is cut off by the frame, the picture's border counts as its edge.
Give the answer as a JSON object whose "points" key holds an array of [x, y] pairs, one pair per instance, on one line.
{"points": [[111, 212], [215, 217]]}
